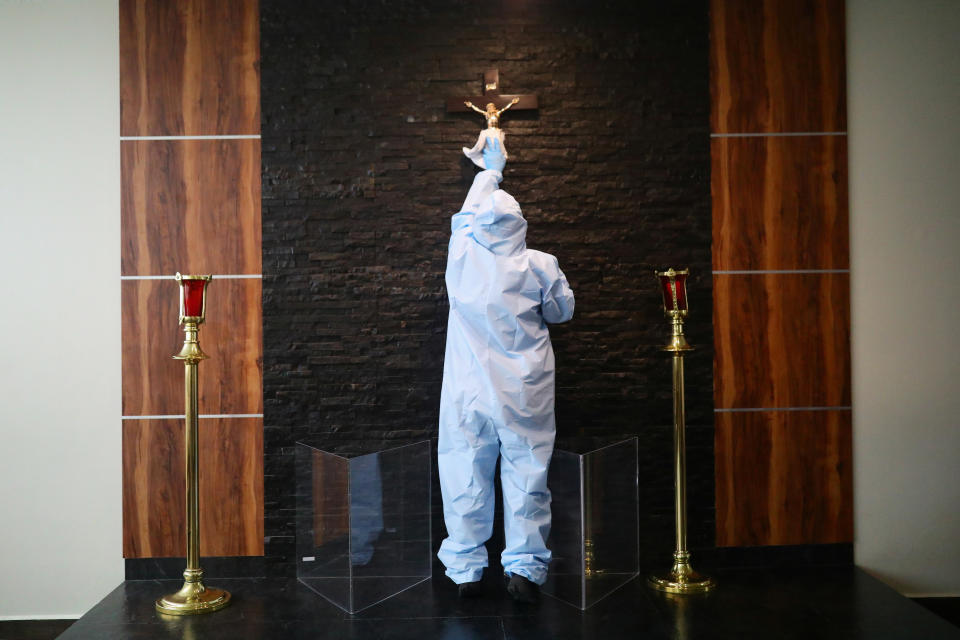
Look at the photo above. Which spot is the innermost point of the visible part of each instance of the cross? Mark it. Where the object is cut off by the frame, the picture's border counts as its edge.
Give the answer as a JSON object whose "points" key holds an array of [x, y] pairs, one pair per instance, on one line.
{"points": [[491, 93]]}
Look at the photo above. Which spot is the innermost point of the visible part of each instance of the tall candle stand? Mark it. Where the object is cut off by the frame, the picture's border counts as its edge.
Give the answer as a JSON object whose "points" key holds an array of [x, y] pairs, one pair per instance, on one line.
{"points": [[681, 578], [193, 597]]}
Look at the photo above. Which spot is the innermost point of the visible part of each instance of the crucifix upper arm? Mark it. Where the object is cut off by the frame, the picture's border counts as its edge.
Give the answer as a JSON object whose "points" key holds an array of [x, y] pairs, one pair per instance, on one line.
{"points": [[510, 104], [474, 107]]}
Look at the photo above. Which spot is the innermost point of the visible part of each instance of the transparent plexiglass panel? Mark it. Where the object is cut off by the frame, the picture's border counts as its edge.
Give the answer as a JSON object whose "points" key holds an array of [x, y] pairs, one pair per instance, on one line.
{"points": [[363, 522], [594, 535]]}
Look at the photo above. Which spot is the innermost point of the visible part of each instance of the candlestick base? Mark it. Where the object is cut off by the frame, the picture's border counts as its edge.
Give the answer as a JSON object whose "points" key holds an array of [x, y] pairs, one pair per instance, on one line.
{"points": [[681, 578], [193, 598]]}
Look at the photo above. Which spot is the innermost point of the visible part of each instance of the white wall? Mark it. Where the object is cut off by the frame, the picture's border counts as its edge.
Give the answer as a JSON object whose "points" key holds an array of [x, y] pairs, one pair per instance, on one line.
{"points": [[903, 60], [60, 500]]}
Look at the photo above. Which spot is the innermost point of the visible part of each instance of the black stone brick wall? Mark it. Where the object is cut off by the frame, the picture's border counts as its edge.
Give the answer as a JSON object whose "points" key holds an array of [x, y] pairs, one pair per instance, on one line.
{"points": [[362, 170]]}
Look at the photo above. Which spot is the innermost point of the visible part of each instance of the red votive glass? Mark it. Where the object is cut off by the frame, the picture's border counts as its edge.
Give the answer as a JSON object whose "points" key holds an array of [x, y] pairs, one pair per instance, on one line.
{"points": [[674, 285], [193, 297]]}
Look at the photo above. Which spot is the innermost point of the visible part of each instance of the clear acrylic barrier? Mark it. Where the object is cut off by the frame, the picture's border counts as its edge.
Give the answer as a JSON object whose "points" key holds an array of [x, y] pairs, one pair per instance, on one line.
{"points": [[363, 523], [594, 534]]}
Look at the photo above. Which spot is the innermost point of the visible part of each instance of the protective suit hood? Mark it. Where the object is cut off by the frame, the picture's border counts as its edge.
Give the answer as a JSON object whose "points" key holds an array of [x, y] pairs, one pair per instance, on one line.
{"points": [[500, 226]]}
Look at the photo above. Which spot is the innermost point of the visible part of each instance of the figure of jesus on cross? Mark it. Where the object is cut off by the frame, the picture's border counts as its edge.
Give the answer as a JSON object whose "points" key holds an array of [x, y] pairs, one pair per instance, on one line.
{"points": [[492, 113]]}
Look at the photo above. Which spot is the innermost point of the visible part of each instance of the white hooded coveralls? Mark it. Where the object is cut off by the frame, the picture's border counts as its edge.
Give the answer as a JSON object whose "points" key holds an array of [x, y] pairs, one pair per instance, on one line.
{"points": [[498, 385]]}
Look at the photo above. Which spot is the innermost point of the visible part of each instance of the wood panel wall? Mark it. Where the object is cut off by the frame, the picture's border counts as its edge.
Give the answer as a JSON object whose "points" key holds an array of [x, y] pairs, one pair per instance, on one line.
{"points": [[190, 202], [781, 273]]}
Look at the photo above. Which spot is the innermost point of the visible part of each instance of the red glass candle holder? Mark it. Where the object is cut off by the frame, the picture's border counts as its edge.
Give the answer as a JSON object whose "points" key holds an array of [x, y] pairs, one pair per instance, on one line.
{"points": [[673, 285], [193, 297]]}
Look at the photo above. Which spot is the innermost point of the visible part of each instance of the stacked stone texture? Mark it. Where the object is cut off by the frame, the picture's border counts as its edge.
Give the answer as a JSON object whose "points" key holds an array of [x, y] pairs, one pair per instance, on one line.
{"points": [[362, 170]]}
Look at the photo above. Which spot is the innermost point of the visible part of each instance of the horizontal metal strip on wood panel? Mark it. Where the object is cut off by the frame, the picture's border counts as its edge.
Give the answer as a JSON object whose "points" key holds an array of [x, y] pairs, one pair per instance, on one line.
{"points": [[202, 416], [749, 409], [211, 137], [230, 276], [778, 134]]}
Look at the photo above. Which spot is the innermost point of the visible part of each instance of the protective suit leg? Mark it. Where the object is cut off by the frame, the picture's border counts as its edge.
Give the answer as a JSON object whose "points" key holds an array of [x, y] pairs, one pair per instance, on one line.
{"points": [[467, 458], [525, 458]]}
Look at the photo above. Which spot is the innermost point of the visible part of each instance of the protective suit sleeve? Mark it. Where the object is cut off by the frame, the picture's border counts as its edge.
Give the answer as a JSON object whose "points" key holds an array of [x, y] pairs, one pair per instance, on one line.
{"points": [[484, 184], [556, 296]]}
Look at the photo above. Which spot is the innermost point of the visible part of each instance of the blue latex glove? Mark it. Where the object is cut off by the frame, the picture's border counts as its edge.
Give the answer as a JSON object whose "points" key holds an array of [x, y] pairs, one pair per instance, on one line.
{"points": [[493, 156]]}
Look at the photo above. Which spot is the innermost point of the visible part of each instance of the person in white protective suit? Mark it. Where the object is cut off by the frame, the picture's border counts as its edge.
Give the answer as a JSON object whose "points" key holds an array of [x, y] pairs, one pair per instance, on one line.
{"points": [[498, 387]]}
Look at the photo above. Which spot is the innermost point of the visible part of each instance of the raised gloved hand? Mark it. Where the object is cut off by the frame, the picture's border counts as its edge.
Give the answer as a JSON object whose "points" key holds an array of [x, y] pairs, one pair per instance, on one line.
{"points": [[493, 156]]}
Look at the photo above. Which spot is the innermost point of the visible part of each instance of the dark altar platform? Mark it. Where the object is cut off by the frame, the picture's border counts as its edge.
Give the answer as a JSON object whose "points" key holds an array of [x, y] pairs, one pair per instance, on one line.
{"points": [[805, 604]]}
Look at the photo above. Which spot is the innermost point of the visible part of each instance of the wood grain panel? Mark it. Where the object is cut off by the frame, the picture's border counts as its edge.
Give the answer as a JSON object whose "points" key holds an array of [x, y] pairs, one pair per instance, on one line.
{"points": [[230, 381], [781, 340], [231, 488], [153, 489], [189, 67], [777, 65], [780, 203], [784, 478], [190, 205], [231, 482]]}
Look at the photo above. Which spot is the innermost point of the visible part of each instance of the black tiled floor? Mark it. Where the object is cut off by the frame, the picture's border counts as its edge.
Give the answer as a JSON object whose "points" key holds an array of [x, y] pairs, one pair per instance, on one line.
{"points": [[32, 629], [946, 608], [809, 604]]}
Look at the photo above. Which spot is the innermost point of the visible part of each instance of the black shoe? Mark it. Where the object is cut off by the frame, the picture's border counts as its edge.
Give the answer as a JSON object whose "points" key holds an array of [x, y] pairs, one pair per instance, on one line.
{"points": [[471, 589], [522, 590]]}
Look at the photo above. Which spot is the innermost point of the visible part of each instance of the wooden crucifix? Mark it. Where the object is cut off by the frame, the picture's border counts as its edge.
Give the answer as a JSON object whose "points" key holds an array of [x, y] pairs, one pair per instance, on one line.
{"points": [[492, 95], [494, 103]]}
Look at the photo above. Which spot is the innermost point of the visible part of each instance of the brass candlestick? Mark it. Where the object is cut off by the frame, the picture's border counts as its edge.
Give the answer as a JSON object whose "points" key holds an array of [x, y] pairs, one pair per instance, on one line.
{"points": [[193, 597], [681, 578]]}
